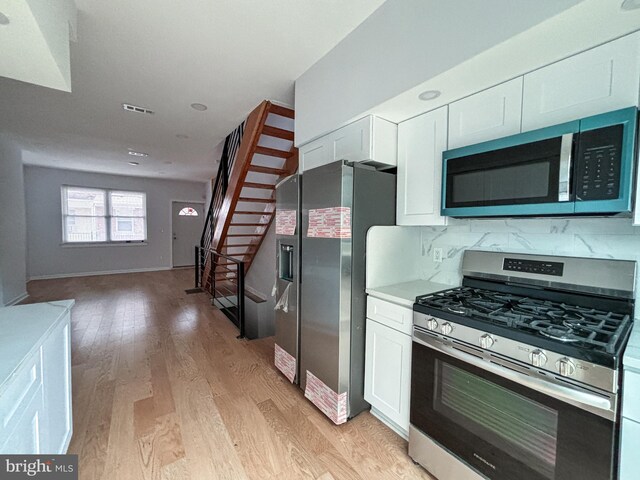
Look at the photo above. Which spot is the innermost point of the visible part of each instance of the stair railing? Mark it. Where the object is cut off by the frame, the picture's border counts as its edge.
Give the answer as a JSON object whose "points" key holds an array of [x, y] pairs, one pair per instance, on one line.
{"points": [[221, 184]]}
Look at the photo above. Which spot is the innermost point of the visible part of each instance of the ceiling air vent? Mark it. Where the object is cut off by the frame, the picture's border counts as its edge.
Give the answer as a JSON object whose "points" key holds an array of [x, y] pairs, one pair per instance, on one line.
{"points": [[135, 108]]}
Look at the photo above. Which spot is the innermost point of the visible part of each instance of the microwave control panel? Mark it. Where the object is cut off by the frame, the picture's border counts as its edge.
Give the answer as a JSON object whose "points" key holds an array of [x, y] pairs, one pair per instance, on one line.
{"points": [[598, 164]]}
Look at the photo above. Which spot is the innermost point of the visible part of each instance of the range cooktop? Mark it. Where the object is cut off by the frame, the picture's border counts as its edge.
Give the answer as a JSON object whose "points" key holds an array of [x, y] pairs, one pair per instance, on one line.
{"points": [[578, 326]]}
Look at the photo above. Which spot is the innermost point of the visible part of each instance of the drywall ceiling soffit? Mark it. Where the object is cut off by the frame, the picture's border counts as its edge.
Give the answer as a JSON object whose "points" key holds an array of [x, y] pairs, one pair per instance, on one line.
{"points": [[584, 26], [35, 41], [165, 55]]}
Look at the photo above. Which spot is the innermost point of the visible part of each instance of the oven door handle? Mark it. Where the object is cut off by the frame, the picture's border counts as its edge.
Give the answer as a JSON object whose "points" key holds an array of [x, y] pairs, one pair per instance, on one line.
{"points": [[586, 401]]}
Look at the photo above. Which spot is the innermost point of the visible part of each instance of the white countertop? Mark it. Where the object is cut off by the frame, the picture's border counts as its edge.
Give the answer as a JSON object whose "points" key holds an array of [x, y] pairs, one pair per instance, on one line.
{"points": [[631, 357], [23, 329], [405, 293]]}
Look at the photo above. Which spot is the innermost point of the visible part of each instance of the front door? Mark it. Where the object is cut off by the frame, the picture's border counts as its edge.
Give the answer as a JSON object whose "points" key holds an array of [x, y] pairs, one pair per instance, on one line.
{"points": [[187, 220]]}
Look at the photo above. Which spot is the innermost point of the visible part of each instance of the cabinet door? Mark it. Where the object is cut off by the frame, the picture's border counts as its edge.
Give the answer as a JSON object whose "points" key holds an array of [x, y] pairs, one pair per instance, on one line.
{"points": [[599, 80], [492, 113], [629, 459], [421, 142], [56, 379], [353, 142], [314, 154], [387, 381], [26, 437]]}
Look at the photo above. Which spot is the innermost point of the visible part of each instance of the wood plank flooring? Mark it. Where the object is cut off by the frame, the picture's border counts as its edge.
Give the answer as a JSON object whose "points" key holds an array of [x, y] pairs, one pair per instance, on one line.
{"points": [[162, 389]]}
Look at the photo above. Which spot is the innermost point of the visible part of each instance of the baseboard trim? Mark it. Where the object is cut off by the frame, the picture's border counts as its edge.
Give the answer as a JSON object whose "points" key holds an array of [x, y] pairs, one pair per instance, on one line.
{"points": [[93, 274], [18, 299]]}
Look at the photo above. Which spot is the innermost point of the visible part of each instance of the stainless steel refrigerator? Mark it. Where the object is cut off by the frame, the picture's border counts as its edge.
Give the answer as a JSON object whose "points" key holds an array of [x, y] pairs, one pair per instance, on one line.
{"points": [[287, 319], [339, 203]]}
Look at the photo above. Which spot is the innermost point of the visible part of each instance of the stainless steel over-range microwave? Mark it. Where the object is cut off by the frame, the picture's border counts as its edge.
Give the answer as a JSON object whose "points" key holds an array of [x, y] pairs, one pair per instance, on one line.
{"points": [[580, 167]]}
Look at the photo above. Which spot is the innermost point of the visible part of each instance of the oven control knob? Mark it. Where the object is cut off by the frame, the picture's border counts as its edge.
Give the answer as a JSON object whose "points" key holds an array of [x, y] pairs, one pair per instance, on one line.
{"points": [[566, 368], [432, 323], [538, 358], [486, 341], [446, 328]]}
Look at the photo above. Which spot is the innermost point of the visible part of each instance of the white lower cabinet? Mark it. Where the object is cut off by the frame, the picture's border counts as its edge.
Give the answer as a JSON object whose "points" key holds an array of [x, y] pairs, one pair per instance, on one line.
{"points": [[421, 141], [387, 383], [629, 460], [35, 403]]}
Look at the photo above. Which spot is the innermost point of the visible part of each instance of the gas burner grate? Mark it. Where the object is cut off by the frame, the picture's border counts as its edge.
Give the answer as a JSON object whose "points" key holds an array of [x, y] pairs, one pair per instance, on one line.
{"points": [[580, 326]]}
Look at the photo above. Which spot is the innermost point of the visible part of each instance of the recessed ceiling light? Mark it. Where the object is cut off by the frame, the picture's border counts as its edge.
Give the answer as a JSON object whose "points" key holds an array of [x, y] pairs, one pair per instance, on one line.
{"points": [[134, 108], [429, 95], [630, 4], [137, 154], [182, 136], [133, 163], [4, 20], [201, 107]]}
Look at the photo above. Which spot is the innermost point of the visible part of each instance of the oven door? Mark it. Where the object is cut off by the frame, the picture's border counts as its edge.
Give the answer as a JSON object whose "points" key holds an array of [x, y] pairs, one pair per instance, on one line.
{"points": [[503, 429], [525, 174]]}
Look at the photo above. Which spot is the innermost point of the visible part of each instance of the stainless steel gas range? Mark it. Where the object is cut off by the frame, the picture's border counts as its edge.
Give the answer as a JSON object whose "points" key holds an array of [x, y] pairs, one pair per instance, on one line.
{"points": [[517, 373]]}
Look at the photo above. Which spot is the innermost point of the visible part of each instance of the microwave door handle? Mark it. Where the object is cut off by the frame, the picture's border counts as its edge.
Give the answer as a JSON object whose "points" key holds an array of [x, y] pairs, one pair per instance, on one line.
{"points": [[587, 401], [566, 159]]}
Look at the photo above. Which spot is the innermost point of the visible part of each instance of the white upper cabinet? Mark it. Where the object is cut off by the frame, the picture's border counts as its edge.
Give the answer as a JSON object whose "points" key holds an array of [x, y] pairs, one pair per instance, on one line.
{"points": [[599, 80], [492, 113], [369, 140], [421, 141]]}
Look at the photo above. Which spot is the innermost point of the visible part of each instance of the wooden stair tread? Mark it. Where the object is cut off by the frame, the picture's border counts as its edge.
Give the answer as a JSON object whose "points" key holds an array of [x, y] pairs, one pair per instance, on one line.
{"points": [[252, 212], [277, 132], [248, 224], [267, 170], [272, 152], [256, 200], [264, 186], [282, 111], [244, 235]]}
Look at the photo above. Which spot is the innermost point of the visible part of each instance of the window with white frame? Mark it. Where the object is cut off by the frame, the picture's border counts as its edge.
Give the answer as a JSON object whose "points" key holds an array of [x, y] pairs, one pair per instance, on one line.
{"points": [[100, 215]]}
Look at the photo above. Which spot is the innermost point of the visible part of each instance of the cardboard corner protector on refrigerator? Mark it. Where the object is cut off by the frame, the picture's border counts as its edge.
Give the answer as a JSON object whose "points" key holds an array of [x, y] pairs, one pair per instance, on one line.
{"points": [[285, 362], [332, 404], [286, 222], [333, 222]]}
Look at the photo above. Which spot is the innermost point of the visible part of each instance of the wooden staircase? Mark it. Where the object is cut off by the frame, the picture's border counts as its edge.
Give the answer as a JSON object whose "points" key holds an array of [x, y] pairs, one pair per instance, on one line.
{"points": [[241, 219]]}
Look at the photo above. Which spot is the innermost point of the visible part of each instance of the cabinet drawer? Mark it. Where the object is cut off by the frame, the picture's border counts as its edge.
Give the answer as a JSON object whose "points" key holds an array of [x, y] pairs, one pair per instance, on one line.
{"points": [[630, 396], [19, 392], [393, 316], [629, 460]]}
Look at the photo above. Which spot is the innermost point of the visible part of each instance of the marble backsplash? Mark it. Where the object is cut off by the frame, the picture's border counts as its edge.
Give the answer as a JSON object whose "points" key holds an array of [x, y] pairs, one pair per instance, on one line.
{"points": [[579, 237]]}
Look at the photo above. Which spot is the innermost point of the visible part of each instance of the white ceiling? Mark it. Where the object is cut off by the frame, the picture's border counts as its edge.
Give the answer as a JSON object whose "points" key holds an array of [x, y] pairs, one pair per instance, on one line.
{"points": [[165, 55]]}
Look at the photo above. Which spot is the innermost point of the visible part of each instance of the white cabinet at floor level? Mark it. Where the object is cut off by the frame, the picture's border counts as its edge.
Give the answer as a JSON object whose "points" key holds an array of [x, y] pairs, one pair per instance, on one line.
{"points": [[35, 378], [599, 80], [629, 460], [387, 380], [421, 141], [56, 378], [492, 113], [369, 140]]}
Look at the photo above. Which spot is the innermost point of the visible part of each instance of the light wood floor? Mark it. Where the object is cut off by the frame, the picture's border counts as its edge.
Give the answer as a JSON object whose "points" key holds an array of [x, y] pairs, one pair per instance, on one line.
{"points": [[162, 389]]}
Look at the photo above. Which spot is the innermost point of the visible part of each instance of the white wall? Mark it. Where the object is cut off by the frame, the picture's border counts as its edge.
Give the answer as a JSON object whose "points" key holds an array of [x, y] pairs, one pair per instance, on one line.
{"points": [[403, 44], [48, 257], [12, 225]]}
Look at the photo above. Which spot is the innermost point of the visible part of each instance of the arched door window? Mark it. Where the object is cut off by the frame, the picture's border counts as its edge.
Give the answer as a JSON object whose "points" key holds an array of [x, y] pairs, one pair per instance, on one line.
{"points": [[188, 211]]}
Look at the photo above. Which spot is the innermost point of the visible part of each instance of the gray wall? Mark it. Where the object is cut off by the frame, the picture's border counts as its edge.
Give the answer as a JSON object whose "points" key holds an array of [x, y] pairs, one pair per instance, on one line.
{"points": [[12, 224], [400, 46], [262, 273], [47, 257]]}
